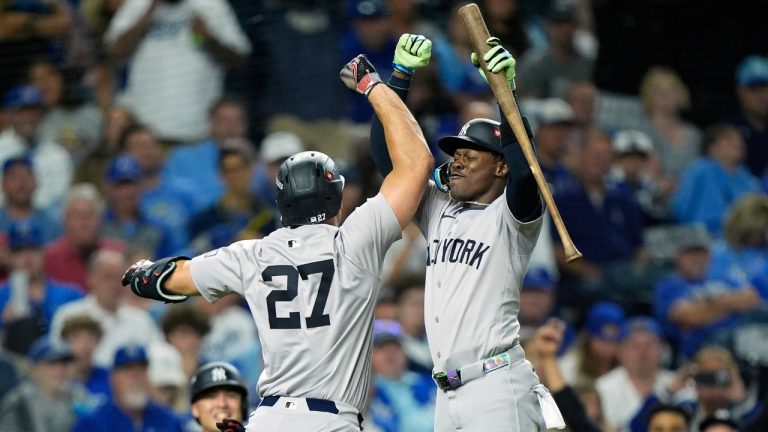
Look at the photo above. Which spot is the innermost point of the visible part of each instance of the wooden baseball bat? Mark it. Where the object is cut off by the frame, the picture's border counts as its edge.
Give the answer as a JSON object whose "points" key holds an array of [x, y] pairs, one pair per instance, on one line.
{"points": [[478, 33]]}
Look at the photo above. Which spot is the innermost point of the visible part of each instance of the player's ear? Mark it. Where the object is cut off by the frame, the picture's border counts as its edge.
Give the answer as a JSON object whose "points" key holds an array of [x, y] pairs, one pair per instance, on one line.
{"points": [[502, 169]]}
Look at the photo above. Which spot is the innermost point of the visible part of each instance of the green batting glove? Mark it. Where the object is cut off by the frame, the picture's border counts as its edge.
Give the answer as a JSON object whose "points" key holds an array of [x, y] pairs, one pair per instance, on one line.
{"points": [[498, 59], [412, 52]]}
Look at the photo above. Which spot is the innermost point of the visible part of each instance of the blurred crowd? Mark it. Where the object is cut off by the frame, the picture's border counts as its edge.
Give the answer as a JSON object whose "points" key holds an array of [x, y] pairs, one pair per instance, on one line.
{"points": [[146, 128]]}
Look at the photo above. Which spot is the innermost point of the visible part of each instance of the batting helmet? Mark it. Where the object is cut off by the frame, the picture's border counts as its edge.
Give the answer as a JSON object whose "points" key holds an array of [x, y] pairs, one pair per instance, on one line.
{"points": [[308, 189], [217, 375], [481, 134]]}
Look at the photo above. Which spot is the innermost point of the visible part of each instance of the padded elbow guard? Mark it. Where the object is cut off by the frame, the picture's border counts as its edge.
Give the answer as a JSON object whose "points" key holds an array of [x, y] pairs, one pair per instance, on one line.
{"points": [[146, 278]]}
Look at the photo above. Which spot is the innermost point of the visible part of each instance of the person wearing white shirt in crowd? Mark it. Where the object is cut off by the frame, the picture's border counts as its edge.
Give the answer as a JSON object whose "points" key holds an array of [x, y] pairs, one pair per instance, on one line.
{"points": [[122, 324], [177, 52], [51, 163], [638, 376]]}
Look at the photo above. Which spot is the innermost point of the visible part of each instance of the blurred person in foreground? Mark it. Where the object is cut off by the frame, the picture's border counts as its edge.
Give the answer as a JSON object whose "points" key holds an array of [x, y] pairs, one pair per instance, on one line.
{"points": [[130, 409], [44, 402], [668, 418]]}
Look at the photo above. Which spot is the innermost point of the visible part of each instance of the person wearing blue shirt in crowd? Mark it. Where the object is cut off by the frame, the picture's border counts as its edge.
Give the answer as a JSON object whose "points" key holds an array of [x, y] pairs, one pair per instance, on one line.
{"points": [[711, 184], [28, 300], [130, 409], [694, 308], [124, 219], [402, 400], [197, 165], [82, 334], [19, 185]]}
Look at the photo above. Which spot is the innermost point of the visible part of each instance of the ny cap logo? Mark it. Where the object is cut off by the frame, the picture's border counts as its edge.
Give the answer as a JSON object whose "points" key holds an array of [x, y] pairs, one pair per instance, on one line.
{"points": [[218, 374]]}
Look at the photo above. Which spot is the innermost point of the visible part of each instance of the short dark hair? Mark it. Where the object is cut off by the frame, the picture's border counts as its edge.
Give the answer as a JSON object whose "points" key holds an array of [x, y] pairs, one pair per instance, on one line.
{"points": [[406, 283], [130, 130], [714, 133], [186, 315], [226, 100], [80, 322], [666, 408]]}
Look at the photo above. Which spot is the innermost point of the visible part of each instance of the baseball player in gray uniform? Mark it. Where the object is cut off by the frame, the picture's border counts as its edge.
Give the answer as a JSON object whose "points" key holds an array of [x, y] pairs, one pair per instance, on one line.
{"points": [[312, 284], [481, 215]]}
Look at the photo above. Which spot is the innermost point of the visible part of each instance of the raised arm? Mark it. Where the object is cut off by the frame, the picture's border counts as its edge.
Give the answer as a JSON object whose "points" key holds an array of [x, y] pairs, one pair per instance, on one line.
{"points": [[412, 52], [412, 161]]}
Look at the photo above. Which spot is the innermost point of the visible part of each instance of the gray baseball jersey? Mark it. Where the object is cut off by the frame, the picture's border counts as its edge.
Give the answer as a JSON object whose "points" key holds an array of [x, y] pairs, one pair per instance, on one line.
{"points": [[312, 292], [476, 260]]}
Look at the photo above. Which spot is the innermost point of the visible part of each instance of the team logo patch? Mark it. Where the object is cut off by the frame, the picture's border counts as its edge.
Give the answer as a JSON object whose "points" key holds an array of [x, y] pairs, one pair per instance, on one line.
{"points": [[290, 405], [294, 243], [218, 374]]}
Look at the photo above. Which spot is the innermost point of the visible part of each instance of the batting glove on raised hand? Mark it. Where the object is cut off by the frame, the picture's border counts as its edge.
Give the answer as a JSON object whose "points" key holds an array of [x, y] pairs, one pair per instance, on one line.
{"points": [[359, 75], [230, 425], [498, 59], [412, 52]]}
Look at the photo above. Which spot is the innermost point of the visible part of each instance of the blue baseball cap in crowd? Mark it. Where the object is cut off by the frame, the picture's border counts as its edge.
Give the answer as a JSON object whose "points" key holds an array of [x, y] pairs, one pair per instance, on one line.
{"points": [[601, 315], [42, 350], [386, 331], [23, 96], [366, 9], [752, 71], [18, 160], [124, 168], [640, 323], [25, 234], [539, 279], [128, 355]]}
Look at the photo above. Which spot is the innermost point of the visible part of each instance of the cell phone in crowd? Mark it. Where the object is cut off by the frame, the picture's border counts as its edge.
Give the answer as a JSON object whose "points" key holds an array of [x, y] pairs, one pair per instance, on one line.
{"points": [[716, 378]]}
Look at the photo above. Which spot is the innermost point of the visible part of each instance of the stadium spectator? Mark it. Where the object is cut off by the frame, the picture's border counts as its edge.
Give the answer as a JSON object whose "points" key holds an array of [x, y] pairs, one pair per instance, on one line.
{"points": [[18, 185], [506, 21], [197, 165], [130, 409], [595, 352], [624, 390], [29, 29], [124, 219], [718, 423], [537, 300], [631, 172], [166, 379], [751, 119], [239, 213], [184, 327], [69, 119], [554, 121], [21, 136], [9, 375], [668, 418], [583, 98], [232, 334], [743, 256], [276, 147], [677, 142], [66, 258], [121, 324], [548, 72], [402, 399], [693, 307], [711, 184], [117, 121], [29, 299], [82, 335], [177, 53], [42, 403], [409, 300]]}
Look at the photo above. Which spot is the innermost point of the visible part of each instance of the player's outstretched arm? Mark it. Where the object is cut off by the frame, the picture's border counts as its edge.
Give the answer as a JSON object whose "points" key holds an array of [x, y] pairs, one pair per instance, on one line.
{"points": [[412, 52], [412, 161], [167, 280]]}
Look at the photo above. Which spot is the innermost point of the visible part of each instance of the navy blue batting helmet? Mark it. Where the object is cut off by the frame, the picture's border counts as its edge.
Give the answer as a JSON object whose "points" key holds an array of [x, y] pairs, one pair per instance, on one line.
{"points": [[218, 375], [308, 189], [479, 134]]}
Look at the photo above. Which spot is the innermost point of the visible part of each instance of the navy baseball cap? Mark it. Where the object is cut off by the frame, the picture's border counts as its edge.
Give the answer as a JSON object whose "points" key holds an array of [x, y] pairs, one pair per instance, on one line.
{"points": [[128, 355], [539, 279], [752, 71], [366, 9], [124, 168], [42, 350], [601, 315], [640, 323], [386, 331], [25, 234], [23, 96], [18, 160]]}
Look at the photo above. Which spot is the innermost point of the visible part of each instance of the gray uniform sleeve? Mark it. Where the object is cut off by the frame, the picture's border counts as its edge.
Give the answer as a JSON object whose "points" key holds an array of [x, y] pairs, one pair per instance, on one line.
{"points": [[220, 271], [368, 233], [431, 207], [524, 234]]}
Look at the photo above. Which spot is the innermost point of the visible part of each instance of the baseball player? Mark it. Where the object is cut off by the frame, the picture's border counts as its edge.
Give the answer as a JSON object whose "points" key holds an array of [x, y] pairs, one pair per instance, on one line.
{"points": [[219, 397], [480, 235], [312, 285]]}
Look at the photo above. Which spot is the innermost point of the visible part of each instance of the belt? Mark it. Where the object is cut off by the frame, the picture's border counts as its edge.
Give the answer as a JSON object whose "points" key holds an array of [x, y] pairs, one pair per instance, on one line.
{"points": [[453, 378], [321, 405]]}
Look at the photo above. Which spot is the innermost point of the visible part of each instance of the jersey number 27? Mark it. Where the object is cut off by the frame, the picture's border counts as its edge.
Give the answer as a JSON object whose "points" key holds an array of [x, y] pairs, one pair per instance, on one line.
{"points": [[292, 274]]}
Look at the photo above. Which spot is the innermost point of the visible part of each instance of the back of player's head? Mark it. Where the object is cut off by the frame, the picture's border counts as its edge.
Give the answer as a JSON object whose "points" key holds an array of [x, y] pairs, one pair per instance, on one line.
{"points": [[309, 188], [216, 376]]}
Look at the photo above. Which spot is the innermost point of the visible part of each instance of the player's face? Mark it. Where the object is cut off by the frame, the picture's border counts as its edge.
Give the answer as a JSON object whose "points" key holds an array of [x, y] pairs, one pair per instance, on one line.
{"points": [[473, 172], [216, 406], [667, 422]]}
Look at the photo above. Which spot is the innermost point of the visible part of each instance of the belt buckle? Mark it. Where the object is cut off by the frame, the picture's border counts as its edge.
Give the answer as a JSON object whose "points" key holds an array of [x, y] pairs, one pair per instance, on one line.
{"points": [[498, 361]]}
